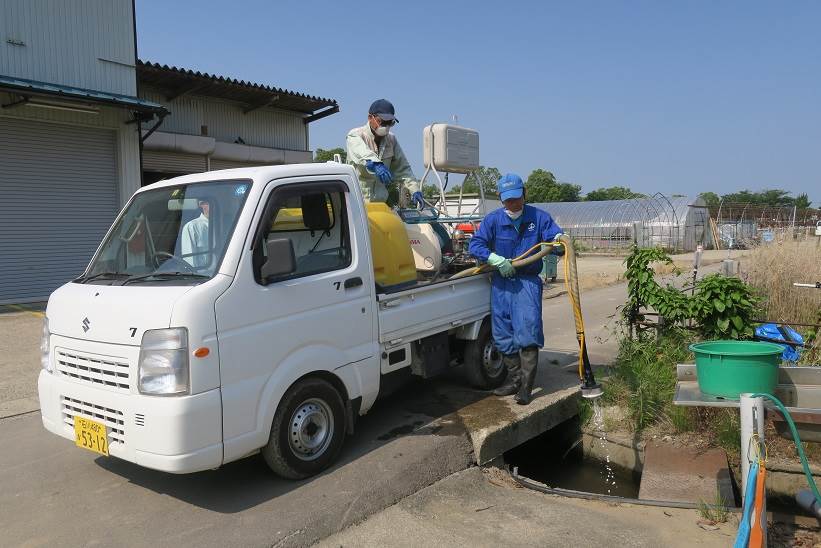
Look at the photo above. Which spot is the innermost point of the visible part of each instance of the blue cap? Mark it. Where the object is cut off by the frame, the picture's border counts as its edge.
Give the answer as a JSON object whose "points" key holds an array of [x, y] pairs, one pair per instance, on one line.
{"points": [[384, 109], [510, 186]]}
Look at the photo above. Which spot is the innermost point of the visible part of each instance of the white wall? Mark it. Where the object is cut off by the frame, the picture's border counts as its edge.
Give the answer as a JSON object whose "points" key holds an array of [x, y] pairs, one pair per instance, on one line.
{"points": [[264, 127], [81, 43]]}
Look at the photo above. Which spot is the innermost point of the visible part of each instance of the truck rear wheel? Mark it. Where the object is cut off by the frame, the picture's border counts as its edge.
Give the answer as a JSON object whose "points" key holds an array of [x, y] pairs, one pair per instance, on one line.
{"points": [[483, 362], [308, 430]]}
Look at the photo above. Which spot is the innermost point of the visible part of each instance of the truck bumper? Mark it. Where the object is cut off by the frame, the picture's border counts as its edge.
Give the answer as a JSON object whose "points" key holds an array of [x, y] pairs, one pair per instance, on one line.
{"points": [[172, 434]]}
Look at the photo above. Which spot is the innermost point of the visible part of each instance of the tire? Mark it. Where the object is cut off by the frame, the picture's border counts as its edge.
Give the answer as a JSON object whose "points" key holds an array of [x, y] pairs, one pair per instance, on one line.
{"points": [[483, 364], [308, 430]]}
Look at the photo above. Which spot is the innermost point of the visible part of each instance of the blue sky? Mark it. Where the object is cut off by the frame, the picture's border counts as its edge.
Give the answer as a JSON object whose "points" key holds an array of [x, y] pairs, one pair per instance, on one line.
{"points": [[659, 96]]}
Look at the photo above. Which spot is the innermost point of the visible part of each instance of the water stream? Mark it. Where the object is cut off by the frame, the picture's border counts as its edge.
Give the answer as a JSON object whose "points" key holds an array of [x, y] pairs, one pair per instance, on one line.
{"points": [[607, 473]]}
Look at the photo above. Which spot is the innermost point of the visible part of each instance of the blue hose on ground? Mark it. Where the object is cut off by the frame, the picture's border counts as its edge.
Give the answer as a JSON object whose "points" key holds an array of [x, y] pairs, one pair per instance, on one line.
{"points": [[797, 440], [743, 536]]}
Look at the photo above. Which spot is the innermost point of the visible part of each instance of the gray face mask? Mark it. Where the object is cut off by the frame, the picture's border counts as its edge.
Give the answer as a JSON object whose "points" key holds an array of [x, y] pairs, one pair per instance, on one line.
{"points": [[381, 131]]}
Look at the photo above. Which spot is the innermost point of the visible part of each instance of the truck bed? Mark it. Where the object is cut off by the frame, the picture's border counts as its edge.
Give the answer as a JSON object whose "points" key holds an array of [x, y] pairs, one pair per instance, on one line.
{"points": [[420, 311]]}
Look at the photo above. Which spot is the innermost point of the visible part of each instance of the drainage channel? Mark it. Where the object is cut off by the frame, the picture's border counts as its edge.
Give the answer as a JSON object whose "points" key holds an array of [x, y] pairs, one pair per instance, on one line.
{"points": [[555, 462], [557, 459]]}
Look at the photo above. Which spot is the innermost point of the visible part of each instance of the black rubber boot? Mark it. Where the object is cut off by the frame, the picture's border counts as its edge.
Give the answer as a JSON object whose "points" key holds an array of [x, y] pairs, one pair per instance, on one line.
{"points": [[514, 375], [530, 360]]}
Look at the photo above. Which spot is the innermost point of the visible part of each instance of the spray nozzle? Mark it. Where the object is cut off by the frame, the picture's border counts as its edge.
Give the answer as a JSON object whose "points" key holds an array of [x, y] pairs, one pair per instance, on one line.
{"points": [[592, 391]]}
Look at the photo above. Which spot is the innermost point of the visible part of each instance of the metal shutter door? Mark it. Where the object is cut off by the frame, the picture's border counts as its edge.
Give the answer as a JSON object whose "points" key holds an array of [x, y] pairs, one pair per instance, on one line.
{"points": [[172, 162], [58, 196]]}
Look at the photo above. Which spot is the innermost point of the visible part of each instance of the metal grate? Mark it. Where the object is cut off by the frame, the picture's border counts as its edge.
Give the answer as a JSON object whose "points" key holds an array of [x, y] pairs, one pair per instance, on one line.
{"points": [[106, 371], [112, 418]]}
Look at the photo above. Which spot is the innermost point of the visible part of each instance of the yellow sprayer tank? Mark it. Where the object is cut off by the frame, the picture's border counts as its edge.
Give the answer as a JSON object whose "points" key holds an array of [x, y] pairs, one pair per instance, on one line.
{"points": [[393, 264]]}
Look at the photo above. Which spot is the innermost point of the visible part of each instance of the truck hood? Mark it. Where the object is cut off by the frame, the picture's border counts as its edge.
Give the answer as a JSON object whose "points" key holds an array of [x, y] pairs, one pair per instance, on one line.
{"points": [[111, 314]]}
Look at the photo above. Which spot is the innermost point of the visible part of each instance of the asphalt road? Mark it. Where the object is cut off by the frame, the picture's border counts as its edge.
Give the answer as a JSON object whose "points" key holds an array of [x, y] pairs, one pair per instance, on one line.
{"points": [[55, 494]]}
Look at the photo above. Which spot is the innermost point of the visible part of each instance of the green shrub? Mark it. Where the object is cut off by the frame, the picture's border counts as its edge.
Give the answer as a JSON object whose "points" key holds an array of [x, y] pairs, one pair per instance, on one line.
{"points": [[724, 308], [645, 376]]}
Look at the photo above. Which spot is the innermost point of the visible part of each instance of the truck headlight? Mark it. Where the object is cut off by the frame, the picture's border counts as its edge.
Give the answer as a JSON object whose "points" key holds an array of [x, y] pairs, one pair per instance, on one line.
{"points": [[163, 367], [45, 347]]}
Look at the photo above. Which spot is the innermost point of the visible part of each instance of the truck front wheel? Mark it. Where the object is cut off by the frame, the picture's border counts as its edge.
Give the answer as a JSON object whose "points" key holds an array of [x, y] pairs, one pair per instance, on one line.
{"points": [[308, 430], [483, 363]]}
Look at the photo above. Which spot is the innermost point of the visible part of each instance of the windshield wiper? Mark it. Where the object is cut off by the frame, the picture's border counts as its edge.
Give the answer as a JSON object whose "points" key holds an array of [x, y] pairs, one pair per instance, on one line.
{"points": [[165, 275], [100, 275]]}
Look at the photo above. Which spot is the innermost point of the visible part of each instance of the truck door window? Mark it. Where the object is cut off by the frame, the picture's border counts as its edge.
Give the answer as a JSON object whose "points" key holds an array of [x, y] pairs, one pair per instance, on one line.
{"points": [[315, 221], [171, 230]]}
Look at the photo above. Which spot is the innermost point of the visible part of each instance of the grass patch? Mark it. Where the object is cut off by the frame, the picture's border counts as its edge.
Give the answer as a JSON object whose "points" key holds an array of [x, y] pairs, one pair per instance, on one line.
{"points": [[682, 419], [726, 427], [644, 377], [714, 511], [585, 411]]}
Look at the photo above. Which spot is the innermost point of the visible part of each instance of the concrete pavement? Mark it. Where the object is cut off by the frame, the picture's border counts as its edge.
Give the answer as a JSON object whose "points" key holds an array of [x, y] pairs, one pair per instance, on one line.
{"points": [[476, 508], [20, 331]]}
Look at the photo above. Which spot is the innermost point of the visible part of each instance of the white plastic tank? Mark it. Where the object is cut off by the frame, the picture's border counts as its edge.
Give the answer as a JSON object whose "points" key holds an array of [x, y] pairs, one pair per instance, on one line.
{"points": [[450, 148], [427, 251]]}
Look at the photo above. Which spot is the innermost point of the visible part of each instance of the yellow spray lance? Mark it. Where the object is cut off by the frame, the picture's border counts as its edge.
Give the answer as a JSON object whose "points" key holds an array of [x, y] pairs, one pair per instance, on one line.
{"points": [[589, 387]]}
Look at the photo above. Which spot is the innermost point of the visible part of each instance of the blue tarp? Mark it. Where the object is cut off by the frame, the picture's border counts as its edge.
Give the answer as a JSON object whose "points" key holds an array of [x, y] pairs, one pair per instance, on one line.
{"points": [[772, 331]]}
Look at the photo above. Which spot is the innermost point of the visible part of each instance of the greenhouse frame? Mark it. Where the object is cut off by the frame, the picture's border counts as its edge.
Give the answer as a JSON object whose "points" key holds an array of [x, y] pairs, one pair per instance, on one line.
{"points": [[677, 224]]}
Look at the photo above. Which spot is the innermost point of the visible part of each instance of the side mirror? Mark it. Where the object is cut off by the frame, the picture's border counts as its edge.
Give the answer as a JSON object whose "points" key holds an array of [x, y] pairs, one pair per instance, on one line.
{"points": [[281, 260]]}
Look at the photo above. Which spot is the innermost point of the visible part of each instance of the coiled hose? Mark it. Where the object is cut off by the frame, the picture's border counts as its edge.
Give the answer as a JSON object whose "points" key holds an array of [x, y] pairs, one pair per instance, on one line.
{"points": [[804, 463]]}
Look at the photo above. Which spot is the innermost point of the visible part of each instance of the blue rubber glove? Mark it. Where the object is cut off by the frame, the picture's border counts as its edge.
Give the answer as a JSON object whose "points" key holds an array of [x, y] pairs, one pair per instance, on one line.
{"points": [[378, 168], [418, 200], [557, 250], [503, 265]]}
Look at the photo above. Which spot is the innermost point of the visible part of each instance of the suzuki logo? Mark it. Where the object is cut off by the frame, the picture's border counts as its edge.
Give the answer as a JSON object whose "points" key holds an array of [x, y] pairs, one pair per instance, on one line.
{"points": [[86, 325]]}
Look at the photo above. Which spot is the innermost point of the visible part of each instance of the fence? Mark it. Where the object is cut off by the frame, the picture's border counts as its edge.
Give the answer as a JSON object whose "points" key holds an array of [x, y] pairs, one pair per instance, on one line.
{"points": [[743, 225]]}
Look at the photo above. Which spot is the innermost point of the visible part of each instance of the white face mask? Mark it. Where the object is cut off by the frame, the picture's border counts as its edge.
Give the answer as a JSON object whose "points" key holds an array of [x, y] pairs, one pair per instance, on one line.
{"points": [[514, 214], [381, 131]]}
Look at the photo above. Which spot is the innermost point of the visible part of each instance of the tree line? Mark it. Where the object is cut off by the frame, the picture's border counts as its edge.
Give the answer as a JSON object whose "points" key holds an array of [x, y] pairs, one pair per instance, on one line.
{"points": [[768, 197], [542, 186]]}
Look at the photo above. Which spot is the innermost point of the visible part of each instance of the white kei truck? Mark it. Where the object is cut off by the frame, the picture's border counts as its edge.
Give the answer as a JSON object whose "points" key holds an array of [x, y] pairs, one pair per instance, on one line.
{"points": [[238, 311]]}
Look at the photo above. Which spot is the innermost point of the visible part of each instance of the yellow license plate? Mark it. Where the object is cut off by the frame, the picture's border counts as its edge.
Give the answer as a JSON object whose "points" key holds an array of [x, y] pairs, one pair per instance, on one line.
{"points": [[91, 435]]}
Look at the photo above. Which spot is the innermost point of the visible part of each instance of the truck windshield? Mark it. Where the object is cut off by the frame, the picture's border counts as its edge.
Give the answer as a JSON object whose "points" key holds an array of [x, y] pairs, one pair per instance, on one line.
{"points": [[173, 234]]}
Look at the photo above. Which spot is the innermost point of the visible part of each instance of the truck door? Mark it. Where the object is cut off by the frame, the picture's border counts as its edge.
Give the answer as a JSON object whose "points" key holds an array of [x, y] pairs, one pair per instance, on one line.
{"points": [[321, 316]]}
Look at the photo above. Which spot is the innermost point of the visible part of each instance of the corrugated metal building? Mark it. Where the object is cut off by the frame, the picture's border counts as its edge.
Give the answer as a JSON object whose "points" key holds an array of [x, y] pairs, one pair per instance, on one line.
{"points": [[75, 108], [69, 144], [219, 123]]}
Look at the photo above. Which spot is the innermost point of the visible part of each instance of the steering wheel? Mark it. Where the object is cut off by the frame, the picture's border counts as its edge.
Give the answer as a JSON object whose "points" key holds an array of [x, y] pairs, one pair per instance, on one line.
{"points": [[171, 257]]}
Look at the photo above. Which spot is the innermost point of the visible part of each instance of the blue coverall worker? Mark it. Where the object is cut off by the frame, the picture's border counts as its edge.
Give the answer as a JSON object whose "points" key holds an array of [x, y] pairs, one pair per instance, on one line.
{"points": [[516, 294]]}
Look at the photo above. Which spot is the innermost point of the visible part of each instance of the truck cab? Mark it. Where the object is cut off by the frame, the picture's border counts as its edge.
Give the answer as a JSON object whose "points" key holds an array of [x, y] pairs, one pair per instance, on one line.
{"points": [[238, 311]]}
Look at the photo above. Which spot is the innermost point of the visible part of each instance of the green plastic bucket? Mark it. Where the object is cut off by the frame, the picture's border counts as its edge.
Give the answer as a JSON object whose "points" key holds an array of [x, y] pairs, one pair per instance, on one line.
{"points": [[728, 369]]}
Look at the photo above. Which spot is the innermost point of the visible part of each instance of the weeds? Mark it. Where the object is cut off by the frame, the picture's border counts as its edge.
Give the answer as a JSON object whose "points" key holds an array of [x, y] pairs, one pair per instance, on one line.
{"points": [[726, 427], [773, 268], [681, 419], [645, 376], [585, 411], [715, 512]]}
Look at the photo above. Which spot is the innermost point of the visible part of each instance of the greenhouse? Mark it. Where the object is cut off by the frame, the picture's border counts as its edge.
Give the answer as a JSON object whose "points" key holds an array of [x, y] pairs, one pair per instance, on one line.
{"points": [[677, 224]]}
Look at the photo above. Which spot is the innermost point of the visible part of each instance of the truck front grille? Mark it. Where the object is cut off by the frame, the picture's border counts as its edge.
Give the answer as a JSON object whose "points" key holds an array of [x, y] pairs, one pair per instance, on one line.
{"points": [[112, 418], [110, 372]]}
